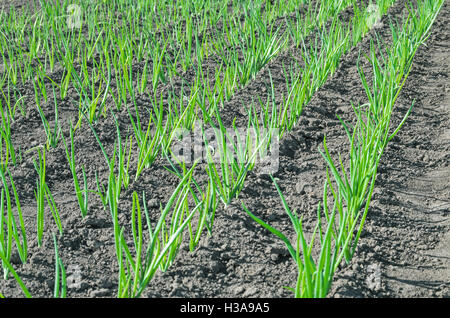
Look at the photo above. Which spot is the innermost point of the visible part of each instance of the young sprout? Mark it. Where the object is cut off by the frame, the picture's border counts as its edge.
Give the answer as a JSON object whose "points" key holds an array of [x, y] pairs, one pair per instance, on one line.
{"points": [[52, 136], [40, 194], [82, 195], [60, 289]]}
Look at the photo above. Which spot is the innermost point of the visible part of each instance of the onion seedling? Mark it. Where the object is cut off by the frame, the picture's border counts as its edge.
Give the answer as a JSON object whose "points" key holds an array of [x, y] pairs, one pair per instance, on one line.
{"points": [[5, 236], [22, 245], [229, 167], [158, 53], [60, 289], [101, 191], [7, 100], [314, 276], [53, 208], [136, 272], [82, 195], [149, 145], [5, 138], [52, 137], [207, 199], [8, 227], [123, 176]]}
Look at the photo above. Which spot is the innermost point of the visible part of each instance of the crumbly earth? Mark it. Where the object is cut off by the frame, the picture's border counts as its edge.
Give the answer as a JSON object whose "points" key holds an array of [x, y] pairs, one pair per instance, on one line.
{"points": [[404, 248]]}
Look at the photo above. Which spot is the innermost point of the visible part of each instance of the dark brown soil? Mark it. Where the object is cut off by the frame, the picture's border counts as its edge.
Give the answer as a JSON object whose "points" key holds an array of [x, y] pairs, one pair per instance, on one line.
{"points": [[7, 4], [404, 249]]}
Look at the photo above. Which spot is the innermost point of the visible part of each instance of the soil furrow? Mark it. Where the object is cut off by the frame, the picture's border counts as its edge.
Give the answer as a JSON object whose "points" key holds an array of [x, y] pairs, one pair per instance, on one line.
{"points": [[408, 230]]}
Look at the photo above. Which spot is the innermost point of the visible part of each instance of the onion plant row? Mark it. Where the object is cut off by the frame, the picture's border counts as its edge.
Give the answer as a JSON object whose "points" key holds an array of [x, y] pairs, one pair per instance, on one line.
{"points": [[139, 263], [321, 57], [339, 225]]}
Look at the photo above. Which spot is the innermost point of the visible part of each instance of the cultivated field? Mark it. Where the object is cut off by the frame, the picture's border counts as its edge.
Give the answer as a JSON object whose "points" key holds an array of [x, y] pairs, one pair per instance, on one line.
{"points": [[154, 148]]}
